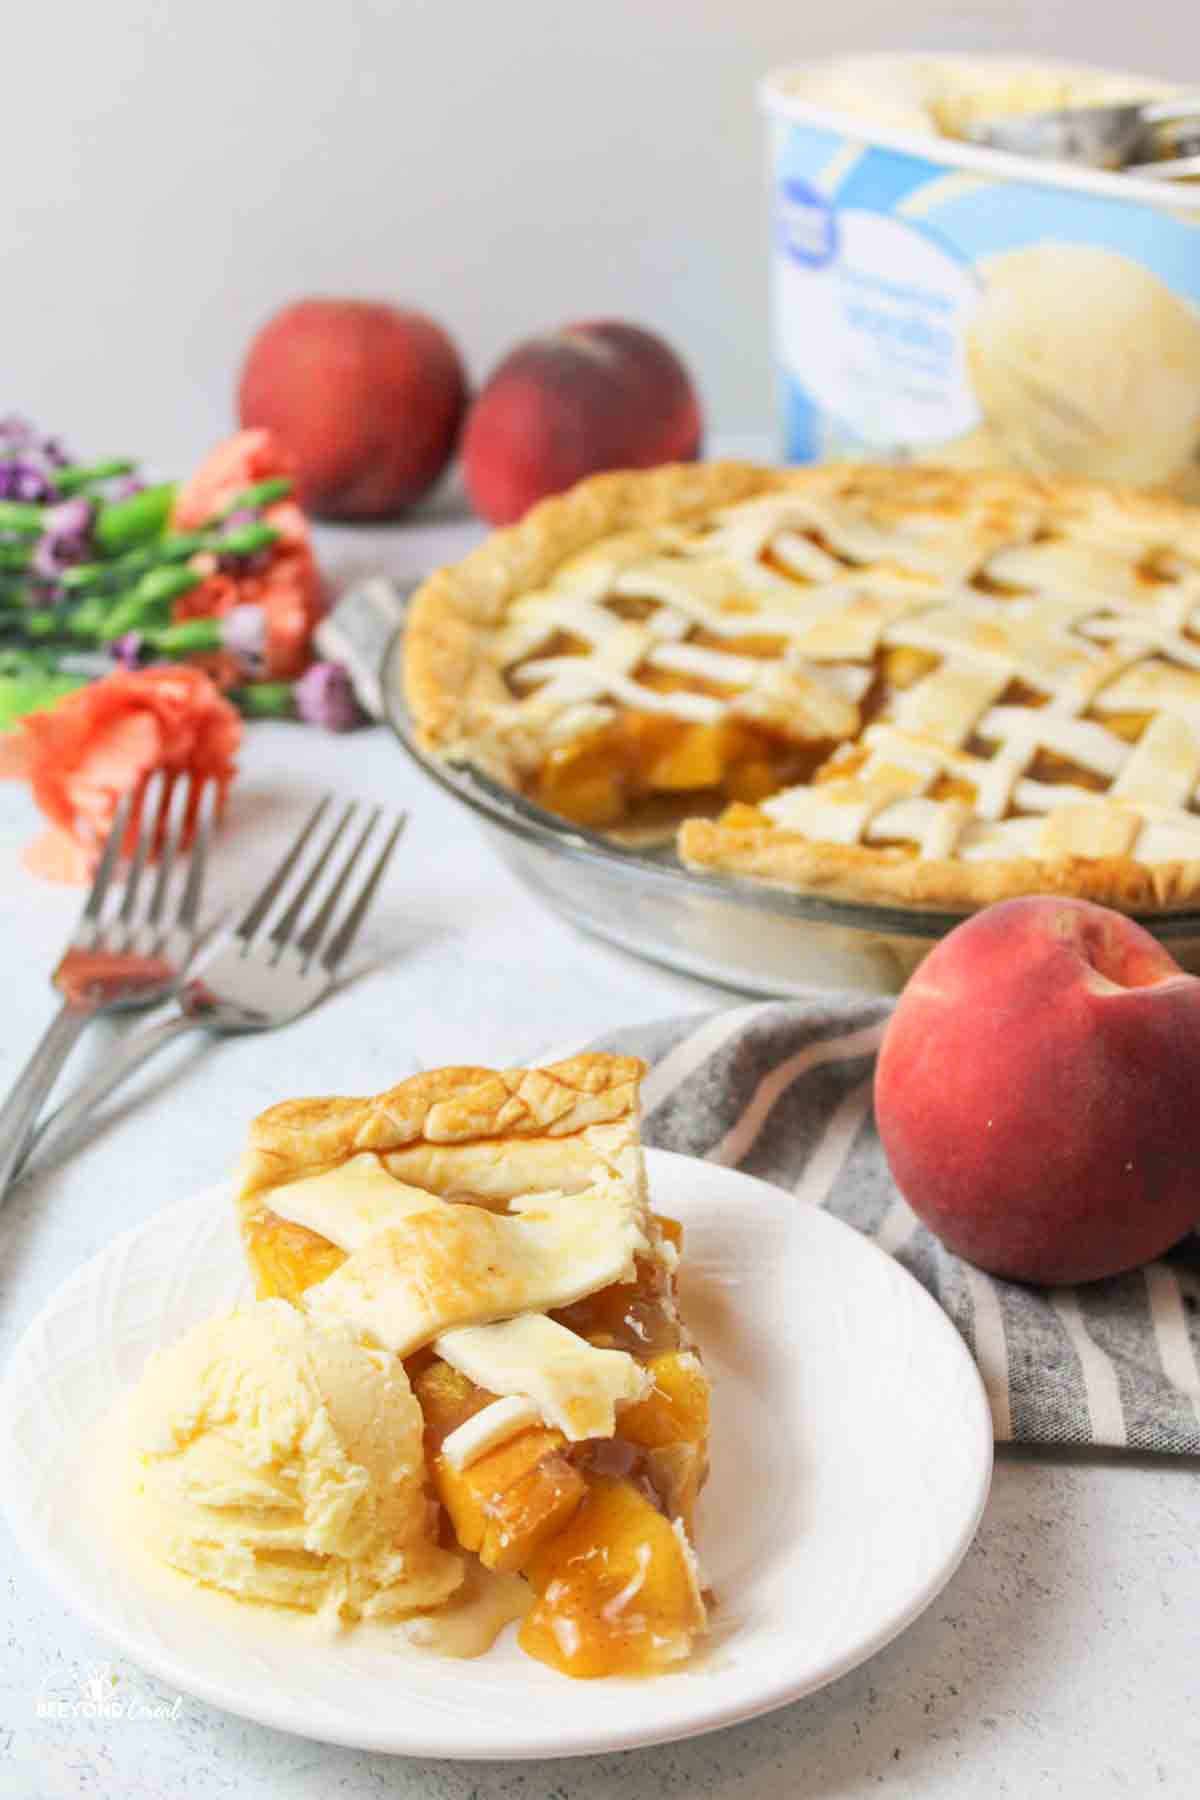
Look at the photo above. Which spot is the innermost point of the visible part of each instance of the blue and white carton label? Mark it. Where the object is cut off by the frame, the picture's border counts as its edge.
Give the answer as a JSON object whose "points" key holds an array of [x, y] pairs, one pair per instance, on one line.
{"points": [[925, 309]]}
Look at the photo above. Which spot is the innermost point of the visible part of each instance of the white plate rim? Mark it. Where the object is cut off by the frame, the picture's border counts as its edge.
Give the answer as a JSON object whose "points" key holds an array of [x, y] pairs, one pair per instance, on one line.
{"points": [[243, 1703]]}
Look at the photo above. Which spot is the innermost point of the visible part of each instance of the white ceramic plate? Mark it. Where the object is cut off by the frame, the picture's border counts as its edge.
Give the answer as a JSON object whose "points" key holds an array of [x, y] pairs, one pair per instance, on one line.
{"points": [[851, 1454]]}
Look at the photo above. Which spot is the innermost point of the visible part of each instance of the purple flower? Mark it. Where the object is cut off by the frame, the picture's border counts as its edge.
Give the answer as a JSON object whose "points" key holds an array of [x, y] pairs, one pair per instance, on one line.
{"points": [[127, 650], [325, 696], [23, 479], [28, 463], [128, 486], [66, 538]]}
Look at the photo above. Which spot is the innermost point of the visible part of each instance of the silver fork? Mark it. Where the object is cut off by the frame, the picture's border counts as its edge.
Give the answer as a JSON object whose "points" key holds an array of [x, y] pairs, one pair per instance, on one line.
{"points": [[115, 964], [254, 982]]}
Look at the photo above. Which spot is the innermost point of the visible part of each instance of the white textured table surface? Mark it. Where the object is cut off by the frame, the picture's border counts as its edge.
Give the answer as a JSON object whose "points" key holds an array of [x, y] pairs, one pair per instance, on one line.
{"points": [[1061, 1660]]}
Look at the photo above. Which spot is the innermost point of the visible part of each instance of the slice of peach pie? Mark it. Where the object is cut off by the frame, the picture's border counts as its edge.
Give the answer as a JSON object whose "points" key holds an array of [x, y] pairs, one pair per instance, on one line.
{"points": [[492, 1230]]}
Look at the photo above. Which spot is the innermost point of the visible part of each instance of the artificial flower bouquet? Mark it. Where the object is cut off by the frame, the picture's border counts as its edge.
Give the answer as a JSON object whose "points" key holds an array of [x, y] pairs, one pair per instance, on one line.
{"points": [[139, 620]]}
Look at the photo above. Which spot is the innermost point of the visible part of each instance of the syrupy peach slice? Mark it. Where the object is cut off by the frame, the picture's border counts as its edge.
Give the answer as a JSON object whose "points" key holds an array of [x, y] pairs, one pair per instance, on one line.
{"points": [[448, 1399], [531, 1511], [637, 1316], [587, 797], [286, 1258], [670, 1423], [751, 779], [616, 1593], [506, 1504], [616, 773], [509, 1503], [674, 1407], [697, 760]]}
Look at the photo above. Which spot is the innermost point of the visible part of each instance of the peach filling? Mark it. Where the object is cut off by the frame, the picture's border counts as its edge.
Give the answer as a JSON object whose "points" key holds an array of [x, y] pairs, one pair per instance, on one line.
{"points": [[286, 1258], [508, 1502], [643, 761], [899, 668], [650, 769], [631, 770], [643, 765], [589, 1524], [616, 1593]]}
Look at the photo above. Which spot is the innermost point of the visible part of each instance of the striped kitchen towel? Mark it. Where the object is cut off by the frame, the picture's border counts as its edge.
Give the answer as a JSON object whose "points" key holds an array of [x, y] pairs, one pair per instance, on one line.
{"points": [[783, 1091]]}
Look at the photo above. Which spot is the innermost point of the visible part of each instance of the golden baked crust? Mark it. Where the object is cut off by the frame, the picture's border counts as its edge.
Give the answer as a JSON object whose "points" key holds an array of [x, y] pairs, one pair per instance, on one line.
{"points": [[858, 873], [463, 708], [441, 1106], [448, 683]]}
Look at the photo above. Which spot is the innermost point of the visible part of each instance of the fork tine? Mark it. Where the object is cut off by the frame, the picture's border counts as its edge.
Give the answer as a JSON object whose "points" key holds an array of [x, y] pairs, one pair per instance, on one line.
{"points": [[172, 833], [309, 940], [266, 899], [108, 862], [348, 930], [280, 933], [201, 806], [154, 800]]}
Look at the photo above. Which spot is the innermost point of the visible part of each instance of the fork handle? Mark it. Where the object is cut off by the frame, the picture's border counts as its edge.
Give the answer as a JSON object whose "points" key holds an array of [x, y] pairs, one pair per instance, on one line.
{"points": [[127, 1056], [18, 1115]]}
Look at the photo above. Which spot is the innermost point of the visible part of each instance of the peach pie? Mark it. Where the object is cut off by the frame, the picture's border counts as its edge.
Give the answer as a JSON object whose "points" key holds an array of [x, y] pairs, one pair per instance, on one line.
{"points": [[492, 1231], [936, 687]]}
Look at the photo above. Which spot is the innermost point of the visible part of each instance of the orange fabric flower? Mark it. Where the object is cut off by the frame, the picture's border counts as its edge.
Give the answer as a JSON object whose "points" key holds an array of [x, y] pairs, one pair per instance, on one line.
{"points": [[85, 752], [289, 587], [236, 463]]}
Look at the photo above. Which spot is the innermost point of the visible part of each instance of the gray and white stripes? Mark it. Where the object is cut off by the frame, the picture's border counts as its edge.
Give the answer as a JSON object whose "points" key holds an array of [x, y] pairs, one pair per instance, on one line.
{"points": [[783, 1091]]}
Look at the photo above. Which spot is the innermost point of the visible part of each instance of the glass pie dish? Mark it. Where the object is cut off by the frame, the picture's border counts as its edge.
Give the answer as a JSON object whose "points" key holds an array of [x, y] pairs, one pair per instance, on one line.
{"points": [[736, 932]]}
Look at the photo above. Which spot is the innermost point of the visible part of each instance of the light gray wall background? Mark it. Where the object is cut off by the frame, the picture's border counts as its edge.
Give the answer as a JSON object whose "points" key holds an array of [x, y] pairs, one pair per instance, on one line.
{"points": [[173, 171]]}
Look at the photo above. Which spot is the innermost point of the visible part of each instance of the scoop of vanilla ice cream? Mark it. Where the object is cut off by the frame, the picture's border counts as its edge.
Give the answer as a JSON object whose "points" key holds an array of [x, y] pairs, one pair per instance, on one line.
{"points": [[1085, 363], [282, 1462]]}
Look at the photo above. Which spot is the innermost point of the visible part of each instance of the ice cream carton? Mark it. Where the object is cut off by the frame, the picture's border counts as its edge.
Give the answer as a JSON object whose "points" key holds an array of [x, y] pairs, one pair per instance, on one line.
{"points": [[937, 300]]}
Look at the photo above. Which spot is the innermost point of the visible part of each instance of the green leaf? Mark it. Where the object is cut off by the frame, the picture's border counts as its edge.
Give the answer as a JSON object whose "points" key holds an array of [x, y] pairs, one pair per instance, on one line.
{"points": [[120, 571], [245, 540], [78, 476], [21, 516], [124, 524], [263, 493], [265, 700], [24, 694], [185, 636]]}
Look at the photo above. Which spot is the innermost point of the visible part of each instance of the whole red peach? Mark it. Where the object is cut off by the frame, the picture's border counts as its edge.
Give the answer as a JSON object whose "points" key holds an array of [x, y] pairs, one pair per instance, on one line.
{"points": [[588, 397], [1038, 1092], [368, 398]]}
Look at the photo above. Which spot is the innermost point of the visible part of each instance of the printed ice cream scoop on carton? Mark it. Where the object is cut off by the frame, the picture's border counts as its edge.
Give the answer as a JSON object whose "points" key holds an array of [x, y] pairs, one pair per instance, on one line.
{"points": [[938, 300]]}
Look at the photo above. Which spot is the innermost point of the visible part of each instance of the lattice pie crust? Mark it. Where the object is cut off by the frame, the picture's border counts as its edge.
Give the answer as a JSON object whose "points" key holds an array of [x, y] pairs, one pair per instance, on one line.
{"points": [[938, 687]]}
